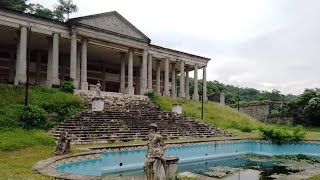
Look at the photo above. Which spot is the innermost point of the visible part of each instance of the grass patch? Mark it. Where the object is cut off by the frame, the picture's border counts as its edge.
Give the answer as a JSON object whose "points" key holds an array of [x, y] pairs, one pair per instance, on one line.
{"points": [[317, 177], [20, 138], [18, 164], [214, 113]]}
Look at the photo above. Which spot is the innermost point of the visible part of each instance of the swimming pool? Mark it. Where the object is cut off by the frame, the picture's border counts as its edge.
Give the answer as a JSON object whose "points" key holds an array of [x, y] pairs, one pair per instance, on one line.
{"points": [[127, 161]]}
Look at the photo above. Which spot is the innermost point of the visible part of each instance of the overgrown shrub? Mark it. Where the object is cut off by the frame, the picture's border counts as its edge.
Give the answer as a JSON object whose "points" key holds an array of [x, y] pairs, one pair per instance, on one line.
{"points": [[64, 107], [33, 117], [153, 97], [66, 86], [280, 135], [245, 128]]}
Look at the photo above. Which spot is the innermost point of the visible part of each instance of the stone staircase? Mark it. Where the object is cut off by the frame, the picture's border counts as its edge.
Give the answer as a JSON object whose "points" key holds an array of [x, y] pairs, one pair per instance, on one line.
{"points": [[126, 118]]}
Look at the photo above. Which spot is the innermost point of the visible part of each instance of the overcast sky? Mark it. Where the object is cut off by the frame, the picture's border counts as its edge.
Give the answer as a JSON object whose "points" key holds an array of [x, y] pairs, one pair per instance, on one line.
{"points": [[264, 44]]}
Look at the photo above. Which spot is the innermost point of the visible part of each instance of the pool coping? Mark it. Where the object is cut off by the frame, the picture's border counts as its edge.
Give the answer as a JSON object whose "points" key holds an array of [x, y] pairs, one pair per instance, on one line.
{"points": [[47, 166]]}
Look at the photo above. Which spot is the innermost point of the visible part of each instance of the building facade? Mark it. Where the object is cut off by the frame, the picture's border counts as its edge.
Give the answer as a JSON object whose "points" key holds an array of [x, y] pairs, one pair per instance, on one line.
{"points": [[103, 47]]}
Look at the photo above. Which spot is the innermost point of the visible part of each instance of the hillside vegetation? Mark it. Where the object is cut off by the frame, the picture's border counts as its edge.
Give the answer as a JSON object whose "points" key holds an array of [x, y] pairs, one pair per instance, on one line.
{"points": [[214, 113], [48, 100], [51, 100]]}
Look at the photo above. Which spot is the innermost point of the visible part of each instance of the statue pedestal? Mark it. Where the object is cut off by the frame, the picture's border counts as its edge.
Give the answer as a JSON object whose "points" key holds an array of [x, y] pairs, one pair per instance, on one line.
{"points": [[171, 167], [177, 108], [97, 104]]}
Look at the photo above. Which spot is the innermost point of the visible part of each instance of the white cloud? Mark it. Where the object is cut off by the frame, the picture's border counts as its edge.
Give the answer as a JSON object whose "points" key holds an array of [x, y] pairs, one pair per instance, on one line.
{"points": [[265, 44]]}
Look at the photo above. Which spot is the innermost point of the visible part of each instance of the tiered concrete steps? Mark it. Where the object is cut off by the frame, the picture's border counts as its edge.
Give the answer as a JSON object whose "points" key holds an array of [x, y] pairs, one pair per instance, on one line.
{"points": [[126, 118]]}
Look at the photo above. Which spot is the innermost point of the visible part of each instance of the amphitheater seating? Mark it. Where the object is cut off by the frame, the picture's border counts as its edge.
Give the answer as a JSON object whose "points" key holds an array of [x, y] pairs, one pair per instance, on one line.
{"points": [[126, 118]]}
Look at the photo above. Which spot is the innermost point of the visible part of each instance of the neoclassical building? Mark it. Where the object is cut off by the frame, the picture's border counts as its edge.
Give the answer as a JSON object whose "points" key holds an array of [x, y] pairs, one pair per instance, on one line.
{"points": [[102, 47]]}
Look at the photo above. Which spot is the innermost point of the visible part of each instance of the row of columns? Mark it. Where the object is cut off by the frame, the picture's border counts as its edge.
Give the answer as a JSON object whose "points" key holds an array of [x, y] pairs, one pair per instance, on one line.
{"points": [[53, 60], [146, 77], [78, 60]]}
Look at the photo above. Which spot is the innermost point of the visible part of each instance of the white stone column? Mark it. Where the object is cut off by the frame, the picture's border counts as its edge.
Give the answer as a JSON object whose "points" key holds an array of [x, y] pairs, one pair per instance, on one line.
{"points": [[73, 59], [158, 73], [21, 65], [130, 72], [78, 66], [143, 74], [84, 56], [182, 93], [38, 68], [150, 73], [17, 57], [187, 83], [55, 60], [49, 63], [140, 74], [122, 73], [204, 83], [195, 85], [173, 80], [103, 77], [166, 77]]}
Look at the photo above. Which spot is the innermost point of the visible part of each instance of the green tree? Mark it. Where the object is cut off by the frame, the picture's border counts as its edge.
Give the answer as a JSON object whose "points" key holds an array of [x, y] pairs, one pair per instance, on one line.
{"points": [[19, 5], [305, 107], [311, 112], [66, 7], [39, 10]]}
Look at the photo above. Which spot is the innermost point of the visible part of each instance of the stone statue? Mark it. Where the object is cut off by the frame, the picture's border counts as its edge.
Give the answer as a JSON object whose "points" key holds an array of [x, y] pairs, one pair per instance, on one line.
{"points": [[98, 89], [63, 145], [154, 163]]}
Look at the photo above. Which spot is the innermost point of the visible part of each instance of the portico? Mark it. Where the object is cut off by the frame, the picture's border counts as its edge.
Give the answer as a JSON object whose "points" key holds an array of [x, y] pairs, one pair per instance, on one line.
{"points": [[103, 47]]}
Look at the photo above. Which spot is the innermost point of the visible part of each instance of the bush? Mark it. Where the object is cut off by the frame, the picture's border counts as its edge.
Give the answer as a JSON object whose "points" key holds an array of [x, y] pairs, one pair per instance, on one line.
{"points": [[65, 107], [33, 117], [245, 128], [153, 97], [66, 86], [280, 135]]}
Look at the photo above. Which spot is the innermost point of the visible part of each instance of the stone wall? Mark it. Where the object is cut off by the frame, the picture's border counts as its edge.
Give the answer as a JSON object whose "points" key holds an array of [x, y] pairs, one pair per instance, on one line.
{"points": [[280, 119], [262, 112], [259, 112], [217, 97]]}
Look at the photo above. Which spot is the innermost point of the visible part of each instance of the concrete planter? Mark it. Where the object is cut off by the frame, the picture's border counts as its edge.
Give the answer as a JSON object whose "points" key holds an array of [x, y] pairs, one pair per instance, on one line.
{"points": [[177, 108], [97, 104]]}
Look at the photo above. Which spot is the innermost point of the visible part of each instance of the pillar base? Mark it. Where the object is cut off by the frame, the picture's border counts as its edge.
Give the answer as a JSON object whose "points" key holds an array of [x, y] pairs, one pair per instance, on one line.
{"points": [[75, 84], [49, 84], [20, 79], [130, 90], [84, 85], [174, 95], [182, 95], [149, 90], [55, 82], [195, 97], [166, 93], [122, 90], [143, 91]]}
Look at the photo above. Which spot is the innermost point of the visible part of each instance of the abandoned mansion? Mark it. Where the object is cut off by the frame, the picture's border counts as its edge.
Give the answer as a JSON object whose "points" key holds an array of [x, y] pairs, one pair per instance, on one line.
{"points": [[102, 47]]}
